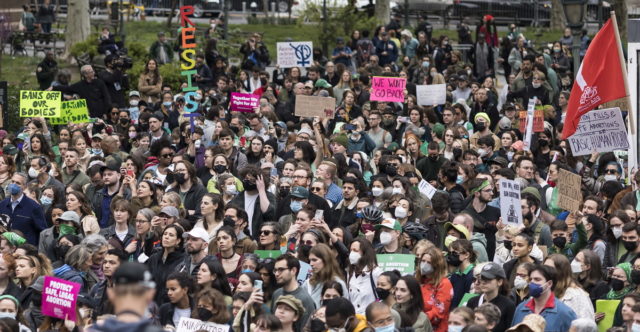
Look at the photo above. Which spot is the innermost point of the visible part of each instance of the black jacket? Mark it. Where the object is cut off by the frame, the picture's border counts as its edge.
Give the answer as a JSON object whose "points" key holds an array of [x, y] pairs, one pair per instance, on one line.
{"points": [[192, 199], [46, 73], [167, 310], [117, 84], [160, 270], [96, 94]]}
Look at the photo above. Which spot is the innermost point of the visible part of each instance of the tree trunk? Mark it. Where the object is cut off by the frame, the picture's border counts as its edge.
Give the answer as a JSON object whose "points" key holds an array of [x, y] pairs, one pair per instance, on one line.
{"points": [[78, 23], [174, 4], [383, 11], [557, 15], [265, 8], [620, 6]]}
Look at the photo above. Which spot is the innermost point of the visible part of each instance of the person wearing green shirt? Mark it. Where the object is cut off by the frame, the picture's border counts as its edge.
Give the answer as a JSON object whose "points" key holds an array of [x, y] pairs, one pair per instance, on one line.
{"points": [[559, 232]]}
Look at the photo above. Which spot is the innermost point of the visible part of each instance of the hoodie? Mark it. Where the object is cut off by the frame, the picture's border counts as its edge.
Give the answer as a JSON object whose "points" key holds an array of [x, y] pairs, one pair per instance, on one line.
{"points": [[68, 273], [114, 325], [479, 243]]}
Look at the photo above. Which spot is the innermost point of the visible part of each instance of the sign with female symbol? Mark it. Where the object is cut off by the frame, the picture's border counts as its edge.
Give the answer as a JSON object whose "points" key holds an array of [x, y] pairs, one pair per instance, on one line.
{"points": [[295, 54]]}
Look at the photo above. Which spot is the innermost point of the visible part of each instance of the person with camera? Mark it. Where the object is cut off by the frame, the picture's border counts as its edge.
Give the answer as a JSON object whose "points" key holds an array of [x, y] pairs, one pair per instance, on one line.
{"points": [[115, 77], [91, 88]]}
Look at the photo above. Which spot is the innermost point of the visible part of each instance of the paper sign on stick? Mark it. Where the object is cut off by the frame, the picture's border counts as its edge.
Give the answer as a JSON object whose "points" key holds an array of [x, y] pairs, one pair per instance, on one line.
{"points": [[405, 264], [74, 111], [310, 106], [295, 54], [34, 104], [529, 128], [600, 130], [243, 102], [429, 95], [388, 89], [59, 298], [510, 209], [426, 188], [192, 325], [569, 193]]}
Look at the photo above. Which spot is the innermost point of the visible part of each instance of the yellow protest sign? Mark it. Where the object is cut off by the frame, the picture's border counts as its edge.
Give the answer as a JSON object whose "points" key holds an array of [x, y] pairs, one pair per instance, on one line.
{"points": [[74, 111], [45, 104]]}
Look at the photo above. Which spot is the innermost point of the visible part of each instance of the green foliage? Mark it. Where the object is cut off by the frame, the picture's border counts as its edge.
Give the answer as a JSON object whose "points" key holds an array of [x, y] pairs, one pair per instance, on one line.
{"points": [[138, 51], [271, 20], [89, 46], [171, 75], [13, 122]]}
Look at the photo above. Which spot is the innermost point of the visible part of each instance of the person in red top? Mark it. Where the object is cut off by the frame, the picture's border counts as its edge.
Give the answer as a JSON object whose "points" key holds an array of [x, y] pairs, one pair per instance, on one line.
{"points": [[436, 288]]}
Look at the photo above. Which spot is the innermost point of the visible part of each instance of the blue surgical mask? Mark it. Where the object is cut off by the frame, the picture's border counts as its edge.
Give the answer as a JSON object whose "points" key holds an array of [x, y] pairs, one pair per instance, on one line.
{"points": [[46, 200], [459, 179], [14, 189], [246, 271], [453, 328], [389, 328], [535, 290], [425, 64], [167, 104], [296, 206]]}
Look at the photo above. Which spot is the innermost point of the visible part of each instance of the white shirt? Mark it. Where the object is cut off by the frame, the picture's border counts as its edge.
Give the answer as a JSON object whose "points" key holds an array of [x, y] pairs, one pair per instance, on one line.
{"points": [[249, 206]]}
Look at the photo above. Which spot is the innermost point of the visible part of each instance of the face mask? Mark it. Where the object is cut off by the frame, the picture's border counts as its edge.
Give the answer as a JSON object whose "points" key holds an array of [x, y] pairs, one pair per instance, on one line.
{"points": [[382, 293], [480, 126], [536, 85], [453, 259], [560, 242], [616, 284], [180, 178], [248, 185], [296, 206], [425, 64], [33, 173], [166, 104], [635, 277], [406, 64], [635, 327], [133, 103], [459, 179], [198, 97], [400, 212], [519, 283], [391, 170], [61, 251], [386, 238], [219, 169], [630, 245], [469, 72], [132, 135], [510, 155], [376, 191], [543, 142], [608, 177], [535, 290], [354, 257], [14, 189], [397, 191], [46, 200], [433, 74], [482, 153], [507, 244], [204, 314], [231, 189], [389, 328], [556, 49], [617, 232], [576, 267], [11, 315], [426, 268], [305, 249]]}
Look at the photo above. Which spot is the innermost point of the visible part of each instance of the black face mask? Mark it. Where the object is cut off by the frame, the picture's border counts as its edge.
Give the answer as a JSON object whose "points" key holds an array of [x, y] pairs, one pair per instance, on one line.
{"points": [[61, 251], [284, 192], [406, 64], [543, 142], [248, 185], [453, 259], [391, 170], [180, 178], [457, 153], [480, 126], [124, 121], [382, 293], [228, 221], [635, 277], [143, 126], [507, 244], [560, 242], [219, 169], [433, 158], [616, 284], [630, 245], [235, 130], [317, 325], [204, 314], [305, 249]]}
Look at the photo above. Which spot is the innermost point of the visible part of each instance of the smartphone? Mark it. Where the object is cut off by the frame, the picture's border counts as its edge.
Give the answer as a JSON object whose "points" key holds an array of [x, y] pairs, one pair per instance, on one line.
{"points": [[274, 171], [257, 284], [130, 173], [403, 119], [319, 214], [349, 127], [197, 143]]}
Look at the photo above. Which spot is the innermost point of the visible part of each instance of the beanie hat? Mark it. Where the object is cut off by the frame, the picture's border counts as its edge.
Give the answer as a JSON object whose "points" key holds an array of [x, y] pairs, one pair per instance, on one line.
{"points": [[340, 139], [438, 129], [482, 115]]}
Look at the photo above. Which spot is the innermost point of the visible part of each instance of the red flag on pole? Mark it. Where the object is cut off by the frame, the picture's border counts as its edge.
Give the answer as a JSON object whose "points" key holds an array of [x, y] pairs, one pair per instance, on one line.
{"points": [[600, 78]]}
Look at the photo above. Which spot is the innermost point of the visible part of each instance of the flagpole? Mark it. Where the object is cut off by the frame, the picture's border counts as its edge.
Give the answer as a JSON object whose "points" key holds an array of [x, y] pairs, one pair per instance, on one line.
{"points": [[623, 65]]}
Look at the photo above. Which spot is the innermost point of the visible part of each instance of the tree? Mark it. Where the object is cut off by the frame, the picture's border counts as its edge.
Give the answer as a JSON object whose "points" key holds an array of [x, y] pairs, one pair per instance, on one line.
{"points": [[174, 4], [557, 15], [78, 23], [383, 11], [620, 6]]}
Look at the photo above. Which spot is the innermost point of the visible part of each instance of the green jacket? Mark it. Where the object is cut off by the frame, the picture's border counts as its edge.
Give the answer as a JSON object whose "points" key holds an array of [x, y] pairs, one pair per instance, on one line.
{"points": [[571, 249]]}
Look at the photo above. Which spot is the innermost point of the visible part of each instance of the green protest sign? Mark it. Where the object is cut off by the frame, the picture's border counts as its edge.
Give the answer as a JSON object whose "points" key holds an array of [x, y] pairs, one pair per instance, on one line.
{"points": [[36, 104], [74, 111], [405, 264], [268, 253]]}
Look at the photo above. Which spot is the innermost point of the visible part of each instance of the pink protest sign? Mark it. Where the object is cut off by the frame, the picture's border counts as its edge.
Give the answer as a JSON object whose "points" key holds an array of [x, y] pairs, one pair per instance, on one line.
{"points": [[59, 298], [244, 102], [388, 89]]}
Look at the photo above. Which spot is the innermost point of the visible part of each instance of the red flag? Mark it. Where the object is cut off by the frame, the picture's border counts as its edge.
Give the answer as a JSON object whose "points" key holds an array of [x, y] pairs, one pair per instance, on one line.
{"points": [[599, 80]]}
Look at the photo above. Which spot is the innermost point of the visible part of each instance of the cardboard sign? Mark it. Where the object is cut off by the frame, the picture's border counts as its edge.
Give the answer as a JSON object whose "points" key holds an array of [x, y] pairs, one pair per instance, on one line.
{"points": [[191, 325], [59, 298], [429, 95], [312, 106], [74, 111], [569, 193], [405, 264], [45, 104], [510, 209], [608, 307], [388, 89], [268, 253], [244, 102], [295, 54], [426, 188], [305, 272], [538, 119], [529, 128], [599, 131]]}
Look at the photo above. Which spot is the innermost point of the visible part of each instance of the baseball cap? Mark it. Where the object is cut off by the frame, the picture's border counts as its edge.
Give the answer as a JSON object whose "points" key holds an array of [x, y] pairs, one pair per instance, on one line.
{"points": [[70, 216], [492, 270], [134, 93], [499, 161], [300, 192], [130, 273], [292, 302], [10, 149], [389, 223], [111, 164], [308, 84], [23, 136], [460, 228], [170, 211], [96, 135], [322, 83], [198, 233]]}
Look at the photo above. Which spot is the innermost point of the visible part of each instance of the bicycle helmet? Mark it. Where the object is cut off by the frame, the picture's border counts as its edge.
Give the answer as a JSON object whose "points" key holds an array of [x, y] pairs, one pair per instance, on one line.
{"points": [[416, 231], [372, 213]]}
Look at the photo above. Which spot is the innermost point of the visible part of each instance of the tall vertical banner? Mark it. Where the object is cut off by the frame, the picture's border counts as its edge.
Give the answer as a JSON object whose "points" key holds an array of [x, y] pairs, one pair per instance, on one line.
{"points": [[295, 54], [188, 62], [529, 129]]}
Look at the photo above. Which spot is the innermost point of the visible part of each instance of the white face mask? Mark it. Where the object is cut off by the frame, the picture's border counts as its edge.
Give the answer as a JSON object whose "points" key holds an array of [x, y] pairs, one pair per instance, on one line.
{"points": [[385, 238], [401, 212], [635, 327], [397, 191], [231, 189], [610, 177], [519, 283], [33, 173], [617, 232], [482, 152], [426, 268], [133, 102], [376, 191], [536, 85], [11, 315], [576, 267], [354, 257]]}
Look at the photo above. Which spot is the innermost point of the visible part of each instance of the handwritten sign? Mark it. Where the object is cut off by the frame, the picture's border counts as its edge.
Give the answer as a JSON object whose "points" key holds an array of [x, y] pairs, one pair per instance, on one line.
{"points": [[295, 54], [599, 131], [44, 104], [405, 264], [191, 325], [426, 188], [310, 106], [59, 298], [569, 193], [538, 119], [243, 102], [510, 209], [74, 111], [429, 95], [388, 89]]}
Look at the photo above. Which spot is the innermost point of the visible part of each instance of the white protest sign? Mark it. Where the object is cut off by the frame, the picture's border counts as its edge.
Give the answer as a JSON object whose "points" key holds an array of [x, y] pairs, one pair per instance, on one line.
{"points": [[510, 209], [191, 325], [529, 130], [426, 188], [295, 54], [429, 95], [599, 131]]}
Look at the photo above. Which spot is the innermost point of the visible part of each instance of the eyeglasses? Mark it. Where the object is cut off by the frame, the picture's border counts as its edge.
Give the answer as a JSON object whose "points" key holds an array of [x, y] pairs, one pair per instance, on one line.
{"points": [[168, 155], [141, 221], [314, 189], [266, 233], [280, 270], [299, 177], [114, 113]]}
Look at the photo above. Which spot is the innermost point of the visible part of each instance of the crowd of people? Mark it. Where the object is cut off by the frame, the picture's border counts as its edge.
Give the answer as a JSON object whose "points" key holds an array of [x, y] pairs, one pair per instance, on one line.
{"points": [[159, 216]]}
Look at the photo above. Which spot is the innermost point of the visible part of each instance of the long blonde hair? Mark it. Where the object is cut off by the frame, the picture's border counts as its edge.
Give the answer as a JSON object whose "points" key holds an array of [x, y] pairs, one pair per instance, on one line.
{"points": [[439, 267]]}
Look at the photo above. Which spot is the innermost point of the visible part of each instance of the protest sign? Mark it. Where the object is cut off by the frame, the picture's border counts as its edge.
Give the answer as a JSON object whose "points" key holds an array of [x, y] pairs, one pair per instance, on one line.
{"points": [[244, 102], [45, 104], [510, 209], [426, 188], [311, 106], [538, 119], [429, 95], [405, 264], [599, 131], [59, 298], [529, 127], [305, 272], [295, 54], [191, 325], [74, 111], [569, 194], [608, 307], [388, 89], [268, 253]]}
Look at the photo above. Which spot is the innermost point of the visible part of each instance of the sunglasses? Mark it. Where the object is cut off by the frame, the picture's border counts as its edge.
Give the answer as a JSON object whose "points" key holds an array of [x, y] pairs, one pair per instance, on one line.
{"points": [[267, 233], [611, 171], [314, 189], [168, 155]]}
